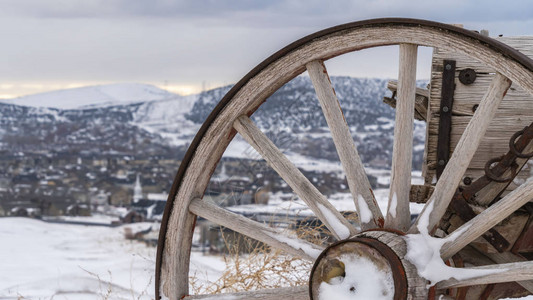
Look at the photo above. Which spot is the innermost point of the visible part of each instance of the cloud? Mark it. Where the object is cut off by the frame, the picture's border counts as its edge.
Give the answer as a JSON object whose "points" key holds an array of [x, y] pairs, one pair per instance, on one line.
{"points": [[285, 11], [187, 42]]}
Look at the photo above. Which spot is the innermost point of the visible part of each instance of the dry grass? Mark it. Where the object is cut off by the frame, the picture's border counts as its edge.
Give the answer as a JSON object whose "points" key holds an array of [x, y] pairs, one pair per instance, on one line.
{"points": [[260, 269], [263, 268]]}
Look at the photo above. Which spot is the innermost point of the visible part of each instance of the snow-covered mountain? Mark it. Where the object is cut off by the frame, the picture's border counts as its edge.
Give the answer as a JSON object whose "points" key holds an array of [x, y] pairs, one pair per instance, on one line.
{"points": [[144, 119], [95, 96]]}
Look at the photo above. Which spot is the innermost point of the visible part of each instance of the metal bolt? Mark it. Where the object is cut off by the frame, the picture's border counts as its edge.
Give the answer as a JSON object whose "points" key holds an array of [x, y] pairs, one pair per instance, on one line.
{"points": [[467, 76], [441, 162], [448, 67], [467, 180], [445, 109]]}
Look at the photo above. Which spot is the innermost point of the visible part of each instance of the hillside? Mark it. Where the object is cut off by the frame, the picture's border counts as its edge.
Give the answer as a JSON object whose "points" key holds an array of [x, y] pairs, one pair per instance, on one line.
{"points": [[132, 119]]}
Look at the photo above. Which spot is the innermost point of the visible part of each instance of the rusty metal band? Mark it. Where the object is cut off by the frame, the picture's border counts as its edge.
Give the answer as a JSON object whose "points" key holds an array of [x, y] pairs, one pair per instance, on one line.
{"points": [[445, 115], [398, 272], [483, 41]]}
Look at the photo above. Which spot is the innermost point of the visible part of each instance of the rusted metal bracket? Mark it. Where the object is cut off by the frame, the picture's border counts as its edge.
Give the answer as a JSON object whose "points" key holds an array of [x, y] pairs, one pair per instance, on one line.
{"points": [[503, 164], [467, 194], [466, 213], [445, 119]]}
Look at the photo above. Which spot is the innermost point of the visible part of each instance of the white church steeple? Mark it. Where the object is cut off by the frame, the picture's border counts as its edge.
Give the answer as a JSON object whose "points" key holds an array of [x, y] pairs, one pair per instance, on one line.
{"points": [[137, 190]]}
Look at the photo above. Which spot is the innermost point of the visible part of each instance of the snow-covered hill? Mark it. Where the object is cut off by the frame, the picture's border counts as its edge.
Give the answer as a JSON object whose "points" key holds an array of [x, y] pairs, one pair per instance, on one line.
{"points": [[136, 118], [95, 96]]}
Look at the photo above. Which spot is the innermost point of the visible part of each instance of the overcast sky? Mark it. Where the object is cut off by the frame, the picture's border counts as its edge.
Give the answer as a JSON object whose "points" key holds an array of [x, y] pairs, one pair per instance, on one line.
{"points": [[184, 45]]}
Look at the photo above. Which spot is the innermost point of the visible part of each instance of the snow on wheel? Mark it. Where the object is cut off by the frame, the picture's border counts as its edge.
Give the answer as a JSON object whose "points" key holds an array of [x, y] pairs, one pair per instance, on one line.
{"points": [[409, 259]]}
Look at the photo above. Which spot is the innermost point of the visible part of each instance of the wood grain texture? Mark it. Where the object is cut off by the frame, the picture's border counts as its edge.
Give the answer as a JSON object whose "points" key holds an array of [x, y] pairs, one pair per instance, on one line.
{"points": [[421, 100], [175, 253], [398, 214], [351, 162], [474, 228], [513, 112], [465, 150], [268, 235], [293, 293], [502, 273], [417, 286], [317, 202], [508, 257]]}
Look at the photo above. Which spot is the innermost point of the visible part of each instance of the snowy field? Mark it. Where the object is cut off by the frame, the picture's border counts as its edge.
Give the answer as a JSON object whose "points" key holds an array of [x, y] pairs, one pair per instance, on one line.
{"points": [[44, 261], [59, 261]]}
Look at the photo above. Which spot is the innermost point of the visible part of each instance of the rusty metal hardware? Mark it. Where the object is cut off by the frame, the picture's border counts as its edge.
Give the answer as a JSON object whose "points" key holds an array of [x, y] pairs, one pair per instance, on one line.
{"points": [[512, 145], [491, 176], [445, 118], [467, 76], [466, 213], [503, 163], [398, 271], [466, 194]]}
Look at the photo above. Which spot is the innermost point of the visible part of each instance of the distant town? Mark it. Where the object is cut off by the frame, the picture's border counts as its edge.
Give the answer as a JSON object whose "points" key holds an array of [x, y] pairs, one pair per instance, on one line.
{"points": [[131, 188]]}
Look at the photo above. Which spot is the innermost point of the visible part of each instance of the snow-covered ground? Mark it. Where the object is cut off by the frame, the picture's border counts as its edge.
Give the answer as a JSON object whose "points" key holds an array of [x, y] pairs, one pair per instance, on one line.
{"points": [[41, 260]]}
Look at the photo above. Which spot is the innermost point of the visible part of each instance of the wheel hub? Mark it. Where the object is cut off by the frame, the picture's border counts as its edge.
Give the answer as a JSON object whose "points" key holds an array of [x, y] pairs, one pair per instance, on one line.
{"points": [[366, 266]]}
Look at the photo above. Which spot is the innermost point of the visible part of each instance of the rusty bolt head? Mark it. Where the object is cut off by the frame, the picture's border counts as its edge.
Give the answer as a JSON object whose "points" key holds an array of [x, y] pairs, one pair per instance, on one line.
{"points": [[467, 76]]}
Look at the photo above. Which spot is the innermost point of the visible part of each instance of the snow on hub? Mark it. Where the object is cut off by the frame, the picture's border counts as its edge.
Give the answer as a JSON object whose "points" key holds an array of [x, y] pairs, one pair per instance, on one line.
{"points": [[370, 265]]}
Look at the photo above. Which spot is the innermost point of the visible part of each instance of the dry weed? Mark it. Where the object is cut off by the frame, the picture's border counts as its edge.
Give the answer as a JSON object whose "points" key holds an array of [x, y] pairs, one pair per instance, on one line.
{"points": [[263, 268]]}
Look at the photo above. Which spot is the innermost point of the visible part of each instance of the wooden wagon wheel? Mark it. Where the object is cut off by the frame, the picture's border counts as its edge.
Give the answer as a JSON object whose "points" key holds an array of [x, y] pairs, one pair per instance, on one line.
{"points": [[378, 245]]}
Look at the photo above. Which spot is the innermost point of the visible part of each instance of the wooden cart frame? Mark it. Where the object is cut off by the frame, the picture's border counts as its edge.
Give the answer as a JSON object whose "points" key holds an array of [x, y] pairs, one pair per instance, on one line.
{"points": [[383, 234]]}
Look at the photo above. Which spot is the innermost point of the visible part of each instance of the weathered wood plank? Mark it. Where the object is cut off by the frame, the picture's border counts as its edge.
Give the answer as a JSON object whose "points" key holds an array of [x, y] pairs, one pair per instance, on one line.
{"points": [[465, 150], [502, 273], [369, 213], [318, 203], [270, 236], [474, 228], [393, 86], [398, 215], [421, 100], [296, 293], [515, 110], [494, 143]]}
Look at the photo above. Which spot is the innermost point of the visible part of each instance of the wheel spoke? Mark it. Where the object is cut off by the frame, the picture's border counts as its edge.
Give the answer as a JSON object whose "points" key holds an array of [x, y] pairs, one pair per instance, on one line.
{"points": [[398, 215], [318, 203], [519, 271], [463, 153], [295, 293], [508, 257], [369, 214], [270, 236], [474, 228]]}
